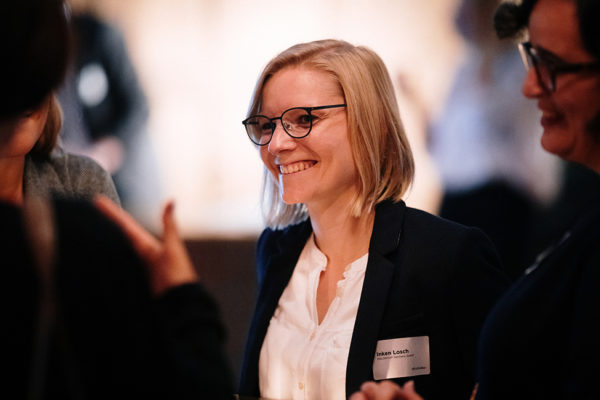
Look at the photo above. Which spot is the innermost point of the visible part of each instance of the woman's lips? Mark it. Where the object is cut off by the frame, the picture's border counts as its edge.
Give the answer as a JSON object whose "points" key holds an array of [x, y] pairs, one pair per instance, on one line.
{"points": [[549, 118], [295, 167]]}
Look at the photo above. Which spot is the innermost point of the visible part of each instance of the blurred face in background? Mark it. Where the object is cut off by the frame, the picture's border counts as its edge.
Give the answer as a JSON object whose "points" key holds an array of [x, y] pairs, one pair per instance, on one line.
{"points": [[318, 169], [568, 110], [20, 133]]}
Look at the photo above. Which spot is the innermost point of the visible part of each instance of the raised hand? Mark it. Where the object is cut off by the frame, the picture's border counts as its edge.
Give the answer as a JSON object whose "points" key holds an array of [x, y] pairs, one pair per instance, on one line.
{"points": [[167, 260]]}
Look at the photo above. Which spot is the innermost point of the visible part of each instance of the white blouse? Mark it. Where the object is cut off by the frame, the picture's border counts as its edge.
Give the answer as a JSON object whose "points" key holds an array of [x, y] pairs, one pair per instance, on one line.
{"points": [[301, 359]]}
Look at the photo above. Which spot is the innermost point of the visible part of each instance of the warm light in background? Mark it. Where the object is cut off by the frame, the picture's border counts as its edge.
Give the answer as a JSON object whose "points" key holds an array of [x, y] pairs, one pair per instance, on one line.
{"points": [[198, 61]]}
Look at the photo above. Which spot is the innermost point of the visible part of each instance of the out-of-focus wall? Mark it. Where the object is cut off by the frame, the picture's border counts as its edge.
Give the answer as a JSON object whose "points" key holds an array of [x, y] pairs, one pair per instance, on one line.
{"points": [[198, 61]]}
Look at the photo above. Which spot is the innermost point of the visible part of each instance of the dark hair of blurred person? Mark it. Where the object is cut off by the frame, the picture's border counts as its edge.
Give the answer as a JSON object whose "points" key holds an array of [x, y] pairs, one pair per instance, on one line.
{"points": [[35, 44]]}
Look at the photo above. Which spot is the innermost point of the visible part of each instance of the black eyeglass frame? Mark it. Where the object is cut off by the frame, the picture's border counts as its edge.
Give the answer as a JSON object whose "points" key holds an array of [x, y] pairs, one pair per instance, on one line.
{"points": [[309, 111], [534, 57]]}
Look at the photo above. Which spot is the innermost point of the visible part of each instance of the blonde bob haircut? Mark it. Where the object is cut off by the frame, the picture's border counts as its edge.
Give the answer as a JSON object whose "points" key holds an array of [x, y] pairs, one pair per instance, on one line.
{"points": [[379, 145]]}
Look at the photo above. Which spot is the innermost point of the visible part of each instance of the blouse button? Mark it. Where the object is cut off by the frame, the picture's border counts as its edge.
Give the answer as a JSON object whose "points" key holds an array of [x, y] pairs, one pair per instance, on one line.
{"points": [[300, 386]]}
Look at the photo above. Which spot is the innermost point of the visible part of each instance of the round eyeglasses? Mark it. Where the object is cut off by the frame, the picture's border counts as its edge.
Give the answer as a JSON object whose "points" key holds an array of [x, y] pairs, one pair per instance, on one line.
{"points": [[547, 65], [296, 122]]}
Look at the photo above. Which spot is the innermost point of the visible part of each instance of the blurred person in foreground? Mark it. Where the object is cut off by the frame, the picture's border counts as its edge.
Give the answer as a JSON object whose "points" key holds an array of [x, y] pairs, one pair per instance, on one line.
{"points": [[35, 44], [541, 339], [85, 317], [347, 273]]}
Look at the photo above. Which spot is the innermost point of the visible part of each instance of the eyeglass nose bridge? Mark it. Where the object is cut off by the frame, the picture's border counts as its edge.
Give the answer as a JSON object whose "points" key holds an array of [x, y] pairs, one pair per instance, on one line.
{"points": [[287, 127], [283, 126]]}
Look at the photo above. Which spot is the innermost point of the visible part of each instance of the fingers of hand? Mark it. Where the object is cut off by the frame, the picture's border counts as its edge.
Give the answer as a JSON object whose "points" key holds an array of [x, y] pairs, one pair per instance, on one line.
{"points": [[370, 390], [385, 390], [169, 224], [176, 266], [409, 391], [146, 245], [389, 390]]}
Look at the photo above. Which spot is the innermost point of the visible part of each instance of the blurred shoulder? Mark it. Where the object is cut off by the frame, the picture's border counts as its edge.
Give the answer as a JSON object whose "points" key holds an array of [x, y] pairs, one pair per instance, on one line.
{"points": [[68, 175]]}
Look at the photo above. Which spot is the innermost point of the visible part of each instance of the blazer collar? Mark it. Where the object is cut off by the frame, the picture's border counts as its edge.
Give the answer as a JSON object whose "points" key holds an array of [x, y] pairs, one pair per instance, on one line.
{"points": [[387, 227], [280, 264], [385, 239]]}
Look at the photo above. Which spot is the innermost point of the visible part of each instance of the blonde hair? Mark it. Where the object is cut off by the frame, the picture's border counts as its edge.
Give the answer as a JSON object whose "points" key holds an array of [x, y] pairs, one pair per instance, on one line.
{"points": [[379, 145], [49, 137]]}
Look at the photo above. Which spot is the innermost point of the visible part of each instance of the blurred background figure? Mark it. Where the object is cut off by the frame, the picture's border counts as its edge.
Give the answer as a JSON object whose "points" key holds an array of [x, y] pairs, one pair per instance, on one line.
{"points": [[106, 111], [485, 143]]}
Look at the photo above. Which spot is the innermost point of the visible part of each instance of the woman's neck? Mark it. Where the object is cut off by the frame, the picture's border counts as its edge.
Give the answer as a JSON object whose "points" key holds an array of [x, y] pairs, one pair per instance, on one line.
{"points": [[11, 179], [341, 236]]}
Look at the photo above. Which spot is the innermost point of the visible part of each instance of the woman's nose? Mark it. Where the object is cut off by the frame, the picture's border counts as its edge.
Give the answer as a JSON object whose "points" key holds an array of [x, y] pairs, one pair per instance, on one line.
{"points": [[531, 85], [281, 140]]}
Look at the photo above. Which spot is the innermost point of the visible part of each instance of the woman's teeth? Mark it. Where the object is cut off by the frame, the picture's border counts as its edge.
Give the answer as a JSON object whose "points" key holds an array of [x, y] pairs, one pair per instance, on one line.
{"points": [[295, 167]]}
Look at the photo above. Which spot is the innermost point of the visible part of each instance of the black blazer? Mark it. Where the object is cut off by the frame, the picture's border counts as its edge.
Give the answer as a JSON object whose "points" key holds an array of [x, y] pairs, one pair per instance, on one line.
{"points": [[425, 276], [541, 340]]}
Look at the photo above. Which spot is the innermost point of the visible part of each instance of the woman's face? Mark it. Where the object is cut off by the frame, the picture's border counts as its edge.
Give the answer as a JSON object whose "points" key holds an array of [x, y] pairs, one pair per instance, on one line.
{"points": [[566, 112], [19, 134], [317, 170]]}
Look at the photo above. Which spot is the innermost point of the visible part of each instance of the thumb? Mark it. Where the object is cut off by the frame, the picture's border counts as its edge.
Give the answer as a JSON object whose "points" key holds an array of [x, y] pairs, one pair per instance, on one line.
{"points": [[170, 231], [171, 239], [179, 267]]}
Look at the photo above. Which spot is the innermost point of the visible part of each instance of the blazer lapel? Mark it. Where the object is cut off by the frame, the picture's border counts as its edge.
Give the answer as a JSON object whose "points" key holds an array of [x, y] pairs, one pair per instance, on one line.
{"points": [[280, 267], [385, 238]]}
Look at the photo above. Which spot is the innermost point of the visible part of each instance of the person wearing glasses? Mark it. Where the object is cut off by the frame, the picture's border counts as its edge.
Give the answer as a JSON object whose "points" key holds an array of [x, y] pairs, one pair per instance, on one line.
{"points": [[541, 339], [353, 284]]}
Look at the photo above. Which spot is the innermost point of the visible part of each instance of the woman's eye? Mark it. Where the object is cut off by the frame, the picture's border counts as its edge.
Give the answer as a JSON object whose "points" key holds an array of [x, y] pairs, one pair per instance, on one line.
{"points": [[267, 128], [305, 119]]}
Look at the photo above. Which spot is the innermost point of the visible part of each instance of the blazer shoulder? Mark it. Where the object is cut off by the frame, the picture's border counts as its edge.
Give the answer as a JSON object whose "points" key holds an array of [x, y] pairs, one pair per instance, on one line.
{"points": [[275, 241], [421, 223], [449, 240]]}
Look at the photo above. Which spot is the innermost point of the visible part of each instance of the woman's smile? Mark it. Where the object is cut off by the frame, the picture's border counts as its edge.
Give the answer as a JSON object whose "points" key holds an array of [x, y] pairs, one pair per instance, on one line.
{"points": [[291, 168]]}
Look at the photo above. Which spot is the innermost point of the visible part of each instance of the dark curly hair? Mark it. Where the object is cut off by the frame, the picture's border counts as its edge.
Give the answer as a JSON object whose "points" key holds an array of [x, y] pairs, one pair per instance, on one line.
{"points": [[511, 19]]}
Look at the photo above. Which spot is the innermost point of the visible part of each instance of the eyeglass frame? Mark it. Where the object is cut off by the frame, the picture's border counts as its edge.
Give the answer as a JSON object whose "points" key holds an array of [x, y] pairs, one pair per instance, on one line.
{"points": [[534, 57], [309, 111]]}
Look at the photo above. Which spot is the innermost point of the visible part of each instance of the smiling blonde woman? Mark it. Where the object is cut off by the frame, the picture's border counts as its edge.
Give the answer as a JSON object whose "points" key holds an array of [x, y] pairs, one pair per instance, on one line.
{"points": [[347, 272]]}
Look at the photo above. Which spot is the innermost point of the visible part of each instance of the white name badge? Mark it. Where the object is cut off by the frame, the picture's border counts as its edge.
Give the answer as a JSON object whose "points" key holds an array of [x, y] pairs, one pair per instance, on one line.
{"points": [[402, 357]]}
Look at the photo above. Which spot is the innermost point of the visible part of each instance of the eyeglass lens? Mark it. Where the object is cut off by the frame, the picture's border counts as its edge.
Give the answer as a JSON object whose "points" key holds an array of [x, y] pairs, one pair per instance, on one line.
{"points": [[542, 70], [297, 122]]}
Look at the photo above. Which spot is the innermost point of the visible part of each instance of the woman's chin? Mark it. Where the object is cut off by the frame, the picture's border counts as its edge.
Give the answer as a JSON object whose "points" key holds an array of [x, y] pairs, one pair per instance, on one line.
{"points": [[556, 142], [291, 201], [290, 198]]}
